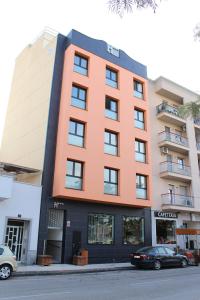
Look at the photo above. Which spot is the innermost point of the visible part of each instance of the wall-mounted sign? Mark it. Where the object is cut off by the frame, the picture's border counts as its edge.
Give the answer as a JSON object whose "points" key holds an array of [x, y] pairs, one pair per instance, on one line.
{"points": [[68, 223], [163, 214]]}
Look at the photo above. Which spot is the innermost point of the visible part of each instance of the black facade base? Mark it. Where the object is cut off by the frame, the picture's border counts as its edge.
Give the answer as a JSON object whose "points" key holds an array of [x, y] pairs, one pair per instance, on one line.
{"points": [[75, 230]]}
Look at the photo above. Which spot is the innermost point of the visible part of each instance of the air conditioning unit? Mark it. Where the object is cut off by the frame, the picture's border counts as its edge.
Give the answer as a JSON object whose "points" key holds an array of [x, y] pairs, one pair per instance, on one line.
{"points": [[164, 150]]}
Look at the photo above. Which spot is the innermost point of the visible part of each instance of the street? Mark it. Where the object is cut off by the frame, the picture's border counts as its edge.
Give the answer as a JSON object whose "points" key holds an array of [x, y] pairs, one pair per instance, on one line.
{"points": [[165, 284]]}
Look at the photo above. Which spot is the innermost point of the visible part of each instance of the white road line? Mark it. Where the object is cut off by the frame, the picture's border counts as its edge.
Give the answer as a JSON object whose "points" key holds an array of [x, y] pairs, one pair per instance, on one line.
{"points": [[36, 295]]}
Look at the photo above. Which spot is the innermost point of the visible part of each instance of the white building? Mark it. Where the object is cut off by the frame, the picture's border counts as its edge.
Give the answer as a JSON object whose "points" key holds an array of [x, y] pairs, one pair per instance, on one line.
{"points": [[19, 212]]}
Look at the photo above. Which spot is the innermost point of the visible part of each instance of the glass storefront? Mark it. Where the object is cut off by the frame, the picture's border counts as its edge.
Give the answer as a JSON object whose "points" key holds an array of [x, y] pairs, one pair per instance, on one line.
{"points": [[100, 229], [165, 231], [133, 230]]}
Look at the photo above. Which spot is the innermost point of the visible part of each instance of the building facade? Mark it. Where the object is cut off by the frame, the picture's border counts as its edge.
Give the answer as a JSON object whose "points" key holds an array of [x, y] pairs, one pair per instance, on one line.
{"points": [[175, 149], [19, 212], [90, 141]]}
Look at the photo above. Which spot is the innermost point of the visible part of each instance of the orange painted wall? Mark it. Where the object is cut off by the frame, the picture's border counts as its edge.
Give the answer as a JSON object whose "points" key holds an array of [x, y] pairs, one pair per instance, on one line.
{"points": [[93, 154]]}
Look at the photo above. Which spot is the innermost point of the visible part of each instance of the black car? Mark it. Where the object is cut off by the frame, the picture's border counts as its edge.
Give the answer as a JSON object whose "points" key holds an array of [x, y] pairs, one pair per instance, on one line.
{"points": [[157, 257]]}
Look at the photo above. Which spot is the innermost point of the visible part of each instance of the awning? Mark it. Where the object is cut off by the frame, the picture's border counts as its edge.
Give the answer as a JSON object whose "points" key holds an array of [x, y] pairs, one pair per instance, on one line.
{"points": [[187, 231]]}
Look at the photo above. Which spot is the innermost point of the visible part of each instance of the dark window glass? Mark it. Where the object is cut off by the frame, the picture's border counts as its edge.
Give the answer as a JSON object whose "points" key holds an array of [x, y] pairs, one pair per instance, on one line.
{"points": [[110, 142], [166, 231], [111, 77], [140, 151], [111, 108], [1, 251], [138, 89], [100, 229], [76, 133], [161, 251], [141, 186], [133, 230], [74, 176], [80, 64], [110, 181], [78, 98], [139, 119]]}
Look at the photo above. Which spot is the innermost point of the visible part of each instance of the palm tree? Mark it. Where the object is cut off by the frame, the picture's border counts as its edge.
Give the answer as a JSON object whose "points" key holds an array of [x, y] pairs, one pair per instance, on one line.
{"points": [[121, 6], [191, 109]]}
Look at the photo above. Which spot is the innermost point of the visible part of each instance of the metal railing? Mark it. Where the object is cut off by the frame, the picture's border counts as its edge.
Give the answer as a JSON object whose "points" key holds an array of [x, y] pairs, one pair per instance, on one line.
{"points": [[168, 166], [175, 199], [164, 107], [174, 138]]}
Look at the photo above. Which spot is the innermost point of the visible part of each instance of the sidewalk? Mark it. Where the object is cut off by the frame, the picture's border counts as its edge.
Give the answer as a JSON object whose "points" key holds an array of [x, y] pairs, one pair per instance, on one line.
{"points": [[58, 269]]}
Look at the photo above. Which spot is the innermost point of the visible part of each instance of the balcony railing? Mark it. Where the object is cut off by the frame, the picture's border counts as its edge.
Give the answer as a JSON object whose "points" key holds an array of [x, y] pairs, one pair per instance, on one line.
{"points": [[174, 138], [175, 199], [171, 167], [198, 146], [164, 107]]}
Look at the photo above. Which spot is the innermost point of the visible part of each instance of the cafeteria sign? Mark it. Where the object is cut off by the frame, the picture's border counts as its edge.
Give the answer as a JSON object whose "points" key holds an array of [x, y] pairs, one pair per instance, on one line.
{"points": [[165, 215]]}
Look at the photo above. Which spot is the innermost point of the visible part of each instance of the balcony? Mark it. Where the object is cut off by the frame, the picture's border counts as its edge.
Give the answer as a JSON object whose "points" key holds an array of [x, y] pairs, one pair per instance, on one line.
{"points": [[197, 123], [174, 171], [173, 141], [169, 114], [177, 200]]}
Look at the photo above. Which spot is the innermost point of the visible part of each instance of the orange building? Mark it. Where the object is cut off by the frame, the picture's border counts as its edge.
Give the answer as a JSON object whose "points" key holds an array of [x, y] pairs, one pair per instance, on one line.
{"points": [[102, 175]]}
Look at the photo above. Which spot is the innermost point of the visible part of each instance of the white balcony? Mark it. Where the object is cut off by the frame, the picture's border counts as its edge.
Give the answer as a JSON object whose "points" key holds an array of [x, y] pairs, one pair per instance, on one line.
{"points": [[177, 200], [173, 141], [169, 114], [170, 170]]}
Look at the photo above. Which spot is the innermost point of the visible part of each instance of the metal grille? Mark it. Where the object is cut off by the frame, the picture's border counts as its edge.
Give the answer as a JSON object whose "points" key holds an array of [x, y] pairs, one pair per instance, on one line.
{"points": [[56, 218], [14, 239]]}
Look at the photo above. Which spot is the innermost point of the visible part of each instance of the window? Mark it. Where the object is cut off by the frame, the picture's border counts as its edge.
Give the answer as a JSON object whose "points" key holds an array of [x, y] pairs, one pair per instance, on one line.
{"points": [[110, 181], [80, 64], [133, 228], [110, 142], [138, 89], [141, 186], [76, 133], [100, 229], [111, 77], [161, 250], [180, 163], [165, 231], [140, 151], [74, 176], [139, 119], [111, 108], [1, 251], [78, 97]]}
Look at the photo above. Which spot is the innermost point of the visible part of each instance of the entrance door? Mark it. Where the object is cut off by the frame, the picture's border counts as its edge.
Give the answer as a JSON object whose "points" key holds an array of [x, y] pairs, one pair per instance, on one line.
{"points": [[14, 237]]}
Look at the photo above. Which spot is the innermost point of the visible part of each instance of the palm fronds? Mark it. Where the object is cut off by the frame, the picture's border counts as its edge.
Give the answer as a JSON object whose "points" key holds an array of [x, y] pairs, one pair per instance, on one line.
{"points": [[191, 109]]}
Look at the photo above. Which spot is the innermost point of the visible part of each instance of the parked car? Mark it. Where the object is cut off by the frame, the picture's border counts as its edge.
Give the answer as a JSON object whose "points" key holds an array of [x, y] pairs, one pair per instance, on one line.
{"points": [[158, 257], [8, 262]]}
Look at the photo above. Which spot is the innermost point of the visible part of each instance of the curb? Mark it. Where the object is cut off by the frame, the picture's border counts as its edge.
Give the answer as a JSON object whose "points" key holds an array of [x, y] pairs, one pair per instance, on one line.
{"points": [[65, 272]]}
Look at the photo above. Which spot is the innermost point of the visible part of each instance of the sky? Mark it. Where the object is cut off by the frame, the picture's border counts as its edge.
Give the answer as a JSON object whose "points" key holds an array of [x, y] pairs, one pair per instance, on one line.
{"points": [[163, 41]]}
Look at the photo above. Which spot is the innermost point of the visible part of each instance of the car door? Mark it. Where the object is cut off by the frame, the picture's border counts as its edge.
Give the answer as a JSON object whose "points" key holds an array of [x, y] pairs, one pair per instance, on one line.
{"points": [[172, 258], [162, 255]]}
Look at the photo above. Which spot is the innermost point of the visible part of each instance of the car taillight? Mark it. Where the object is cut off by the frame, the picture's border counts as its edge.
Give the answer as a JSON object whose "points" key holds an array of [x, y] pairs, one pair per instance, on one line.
{"points": [[143, 257]]}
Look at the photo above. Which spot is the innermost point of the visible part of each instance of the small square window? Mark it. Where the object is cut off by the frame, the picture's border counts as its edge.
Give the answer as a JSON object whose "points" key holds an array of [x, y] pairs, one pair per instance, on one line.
{"points": [[139, 119], [110, 181], [111, 108], [110, 143], [74, 175], [80, 64], [76, 133], [78, 97]]}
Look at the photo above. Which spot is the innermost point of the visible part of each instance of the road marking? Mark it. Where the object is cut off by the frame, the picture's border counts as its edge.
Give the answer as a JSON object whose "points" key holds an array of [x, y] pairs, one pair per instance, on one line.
{"points": [[36, 295]]}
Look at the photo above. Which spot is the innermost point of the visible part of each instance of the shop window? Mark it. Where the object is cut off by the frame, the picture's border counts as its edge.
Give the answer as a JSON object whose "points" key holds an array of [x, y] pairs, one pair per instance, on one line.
{"points": [[100, 229], [133, 229], [165, 231]]}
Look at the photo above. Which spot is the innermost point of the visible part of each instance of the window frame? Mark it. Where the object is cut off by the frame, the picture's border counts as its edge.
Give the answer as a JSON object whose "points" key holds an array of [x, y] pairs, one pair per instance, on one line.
{"points": [[78, 66], [106, 131], [143, 230], [139, 152], [75, 134], [139, 187], [116, 184], [113, 228], [138, 111], [136, 90], [109, 80], [73, 173], [107, 98], [79, 88]]}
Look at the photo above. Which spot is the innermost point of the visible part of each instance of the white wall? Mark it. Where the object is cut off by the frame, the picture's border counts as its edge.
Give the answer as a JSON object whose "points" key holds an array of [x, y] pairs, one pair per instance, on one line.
{"points": [[25, 200]]}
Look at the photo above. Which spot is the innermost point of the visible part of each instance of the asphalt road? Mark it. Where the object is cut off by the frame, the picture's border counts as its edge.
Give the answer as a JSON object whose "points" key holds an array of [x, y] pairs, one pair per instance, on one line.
{"points": [[170, 284]]}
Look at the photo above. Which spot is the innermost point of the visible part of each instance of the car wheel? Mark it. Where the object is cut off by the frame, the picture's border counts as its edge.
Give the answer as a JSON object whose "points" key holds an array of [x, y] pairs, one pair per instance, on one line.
{"points": [[5, 272], [184, 263], [157, 265]]}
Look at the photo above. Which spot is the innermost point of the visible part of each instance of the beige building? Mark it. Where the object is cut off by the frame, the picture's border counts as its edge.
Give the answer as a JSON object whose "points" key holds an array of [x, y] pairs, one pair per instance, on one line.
{"points": [[24, 135], [176, 164]]}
